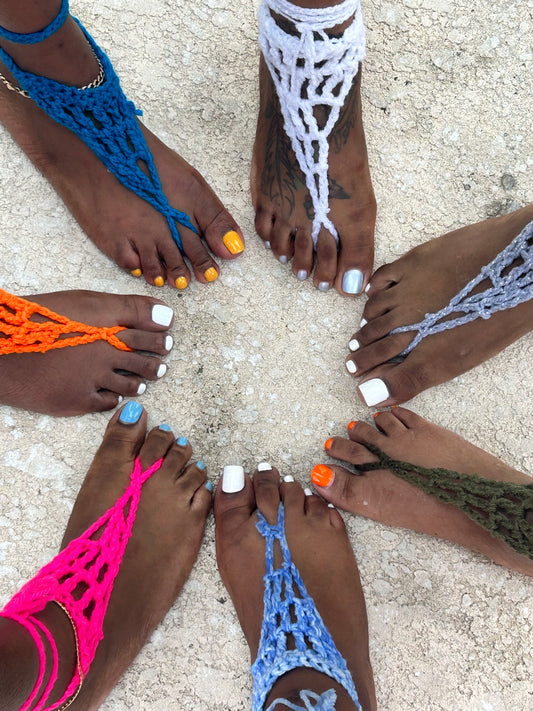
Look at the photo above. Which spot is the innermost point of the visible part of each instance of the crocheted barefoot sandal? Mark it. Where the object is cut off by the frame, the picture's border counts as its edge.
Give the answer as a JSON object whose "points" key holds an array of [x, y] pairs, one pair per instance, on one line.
{"points": [[502, 508], [312, 71], [102, 118], [293, 634], [19, 334], [80, 580], [507, 290]]}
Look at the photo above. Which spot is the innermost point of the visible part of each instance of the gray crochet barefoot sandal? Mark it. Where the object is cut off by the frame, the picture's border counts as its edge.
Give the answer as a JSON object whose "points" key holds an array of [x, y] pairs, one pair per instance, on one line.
{"points": [[293, 634], [502, 508], [506, 291]]}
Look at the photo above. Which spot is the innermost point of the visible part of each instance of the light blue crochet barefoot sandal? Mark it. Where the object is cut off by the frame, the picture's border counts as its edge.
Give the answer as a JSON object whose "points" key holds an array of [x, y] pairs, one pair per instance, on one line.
{"points": [[101, 116], [291, 619]]}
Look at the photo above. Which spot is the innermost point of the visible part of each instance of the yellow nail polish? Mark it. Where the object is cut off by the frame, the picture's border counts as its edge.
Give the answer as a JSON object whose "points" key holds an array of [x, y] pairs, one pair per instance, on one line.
{"points": [[159, 281], [233, 242], [211, 274], [137, 272], [328, 443], [321, 475], [181, 283]]}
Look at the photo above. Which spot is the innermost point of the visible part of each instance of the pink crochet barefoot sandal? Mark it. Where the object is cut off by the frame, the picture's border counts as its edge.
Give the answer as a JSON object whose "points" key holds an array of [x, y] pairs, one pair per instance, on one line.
{"points": [[80, 580]]}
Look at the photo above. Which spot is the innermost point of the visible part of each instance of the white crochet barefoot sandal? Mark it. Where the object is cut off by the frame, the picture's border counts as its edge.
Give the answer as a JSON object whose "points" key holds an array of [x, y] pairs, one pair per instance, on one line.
{"points": [[310, 69]]}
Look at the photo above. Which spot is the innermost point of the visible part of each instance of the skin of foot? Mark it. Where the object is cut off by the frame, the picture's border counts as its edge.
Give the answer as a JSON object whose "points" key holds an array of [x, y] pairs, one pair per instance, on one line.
{"points": [[282, 203], [423, 281], [165, 540], [321, 550], [384, 497], [90, 377], [121, 224]]}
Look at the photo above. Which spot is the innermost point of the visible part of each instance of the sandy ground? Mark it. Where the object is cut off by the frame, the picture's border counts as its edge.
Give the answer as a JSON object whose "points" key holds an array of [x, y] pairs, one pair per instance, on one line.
{"points": [[448, 117]]}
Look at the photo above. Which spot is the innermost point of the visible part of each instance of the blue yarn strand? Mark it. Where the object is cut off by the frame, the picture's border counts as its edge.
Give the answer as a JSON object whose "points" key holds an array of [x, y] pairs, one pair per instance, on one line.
{"points": [[35, 37]]}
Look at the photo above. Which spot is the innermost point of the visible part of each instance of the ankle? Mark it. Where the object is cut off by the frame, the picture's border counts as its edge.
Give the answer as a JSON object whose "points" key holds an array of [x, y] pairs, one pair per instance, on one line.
{"points": [[19, 665], [292, 683], [60, 627]]}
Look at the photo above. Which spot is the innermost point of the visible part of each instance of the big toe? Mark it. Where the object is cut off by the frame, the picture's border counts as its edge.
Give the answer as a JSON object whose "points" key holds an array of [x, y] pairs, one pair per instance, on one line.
{"points": [[343, 489]]}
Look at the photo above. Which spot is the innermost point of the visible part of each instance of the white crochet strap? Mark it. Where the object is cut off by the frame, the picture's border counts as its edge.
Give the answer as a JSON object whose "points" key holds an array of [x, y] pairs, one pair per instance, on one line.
{"points": [[310, 70]]}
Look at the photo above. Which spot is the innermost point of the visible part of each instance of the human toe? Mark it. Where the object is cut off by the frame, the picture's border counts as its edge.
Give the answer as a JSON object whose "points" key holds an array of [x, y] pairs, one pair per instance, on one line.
{"points": [[125, 432], [302, 262], [267, 496], [147, 367], [388, 424], [350, 450], [281, 240], [326, 261], [147, 341], [364, 358], [373, 330], [220, 231], [391, 384], [203, 265], [354, 264], [340, 487], [383, 278], [157, 445]]}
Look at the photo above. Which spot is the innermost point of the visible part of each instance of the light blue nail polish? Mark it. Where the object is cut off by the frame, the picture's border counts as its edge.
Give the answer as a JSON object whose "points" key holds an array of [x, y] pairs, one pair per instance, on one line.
{"points": [[165, 428], [209, 487], [182, 441], [302, 275], [200, 465], [323, 286], [352, 281], [131, 413], [283, 259]]}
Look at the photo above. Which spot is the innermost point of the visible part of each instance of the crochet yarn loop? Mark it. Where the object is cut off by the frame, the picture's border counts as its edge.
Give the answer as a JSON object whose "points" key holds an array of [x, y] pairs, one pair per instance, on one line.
{"points": [[506, 291], [312, 73], [291, 617], [322, 702], [35, 37], [19, 334], [501, 508]]}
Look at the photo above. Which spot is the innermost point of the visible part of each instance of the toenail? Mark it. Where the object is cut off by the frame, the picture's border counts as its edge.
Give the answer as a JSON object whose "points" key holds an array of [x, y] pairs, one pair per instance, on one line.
{"points": [[159, 281], [137, 272], [289, 478], [352, 281], [141, 389], [232, 479], [267, 245], [200, 464], [233, 242], [182, 441], [162, 315], [330, 506], [181, 283], [211, 274], [308, 492], [363, 322], [367, 288], [169, 342], [209, 487], [375, 414], [328, 443], [351, 425], [374, 391], [322, 475], [264, 467], [161, 370], [351, 367], [165, 428], [130, 413], [302, 275], [284, 259], [353, 345], [120, 399], [323, 286]]}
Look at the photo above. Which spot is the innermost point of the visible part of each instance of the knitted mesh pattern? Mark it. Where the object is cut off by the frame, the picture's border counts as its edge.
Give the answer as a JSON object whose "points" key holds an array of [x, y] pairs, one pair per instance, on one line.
{"points": [[19, 334], [313, 74], [81, 578], [106, 122], [311, 701], [502, 508], [506, 291], [35, 37], [293, 633]]}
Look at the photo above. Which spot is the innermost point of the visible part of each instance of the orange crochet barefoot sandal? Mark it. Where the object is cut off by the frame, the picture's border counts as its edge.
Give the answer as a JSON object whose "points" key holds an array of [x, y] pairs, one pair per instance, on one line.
{"points": [[19, 334]]}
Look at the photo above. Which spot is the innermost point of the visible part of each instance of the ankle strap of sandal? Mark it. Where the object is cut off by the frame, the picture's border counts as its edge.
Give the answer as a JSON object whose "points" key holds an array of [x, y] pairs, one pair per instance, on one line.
{"points": [[36, 37]]}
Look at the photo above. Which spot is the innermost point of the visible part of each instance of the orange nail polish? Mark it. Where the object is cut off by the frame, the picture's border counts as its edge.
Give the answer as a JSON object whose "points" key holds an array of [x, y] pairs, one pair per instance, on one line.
{"points": [[233, 242], [376, 414], [137, 272], [392, 408], [211, 274], [159, 281], [181, 283], [321, 475], [351, 425], [328, 443]]}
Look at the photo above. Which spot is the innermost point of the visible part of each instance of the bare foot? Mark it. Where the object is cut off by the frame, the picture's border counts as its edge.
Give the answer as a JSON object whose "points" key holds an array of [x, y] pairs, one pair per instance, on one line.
{"points": [[165, 540], [380, 495], [283, 206], [321, 551], [423, 281], [90, 377], [121, 224]]}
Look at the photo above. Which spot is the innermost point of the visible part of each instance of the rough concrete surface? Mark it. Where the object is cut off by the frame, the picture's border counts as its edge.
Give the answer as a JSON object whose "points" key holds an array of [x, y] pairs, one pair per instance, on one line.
{"points": [[257, 370]]}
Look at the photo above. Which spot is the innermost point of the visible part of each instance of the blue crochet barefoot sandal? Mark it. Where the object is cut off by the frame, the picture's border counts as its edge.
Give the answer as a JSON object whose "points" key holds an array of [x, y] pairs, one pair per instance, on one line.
{"points": [[101, 116], [291, 618]]}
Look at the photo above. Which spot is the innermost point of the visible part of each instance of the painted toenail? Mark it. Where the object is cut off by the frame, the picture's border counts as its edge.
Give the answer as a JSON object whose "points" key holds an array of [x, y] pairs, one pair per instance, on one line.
{"points": [[137, 272], [181, 283], [182, 441], [374, 391], [268, 245], [131, 413], [363, 322], [351, 425], [351, 367], [353, 345], [232, 479], [169, 342], [120, 399], [284, 259], [367, 288], [141, 389], [308, 492], [233, 242], [162, 315], [322, 475], [159, 281], [200, 465], [289, 478], [330, 506], [264, 467], [352, 281], [209, 487], [211, 274], [328, 443], [165, 428], [323, 286], [375, 414], [302, 275], [161, 370]]}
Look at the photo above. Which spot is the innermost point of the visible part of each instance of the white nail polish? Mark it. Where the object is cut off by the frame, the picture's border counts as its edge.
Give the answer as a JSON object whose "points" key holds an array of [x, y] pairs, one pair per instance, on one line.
{"points": [[302, 275], [283, 259], [289, 478], [161, 370], [162, 315], [330, 506], [351, 367], [267, 245], [367, 288], [308, 492], [363, 322], [353, 345], [169, 342], [264, 467], [141, 389], [374, 391], [232, 479], [120, 399]]}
